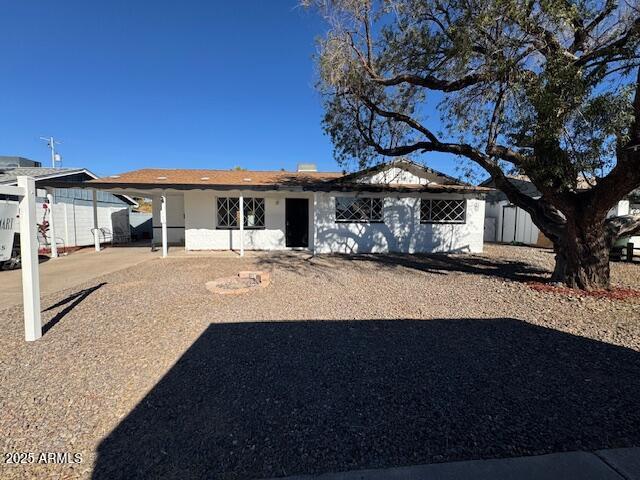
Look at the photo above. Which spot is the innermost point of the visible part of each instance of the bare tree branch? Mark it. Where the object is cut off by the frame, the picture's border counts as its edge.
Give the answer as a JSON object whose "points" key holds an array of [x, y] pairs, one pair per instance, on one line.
{"points": [[431, 82], [613, 47]]}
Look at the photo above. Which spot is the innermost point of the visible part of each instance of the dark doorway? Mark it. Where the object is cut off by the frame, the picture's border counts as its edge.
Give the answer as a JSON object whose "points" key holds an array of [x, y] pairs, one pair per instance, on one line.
{"points": [[297, 222]]}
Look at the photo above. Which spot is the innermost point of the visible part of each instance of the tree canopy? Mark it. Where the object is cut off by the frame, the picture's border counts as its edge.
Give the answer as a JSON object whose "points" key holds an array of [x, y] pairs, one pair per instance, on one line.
{"points": [[548, 88]]}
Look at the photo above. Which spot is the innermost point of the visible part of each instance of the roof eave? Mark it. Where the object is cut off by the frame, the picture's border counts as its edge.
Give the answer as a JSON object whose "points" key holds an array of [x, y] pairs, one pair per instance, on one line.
{"points": [[312, 187]]}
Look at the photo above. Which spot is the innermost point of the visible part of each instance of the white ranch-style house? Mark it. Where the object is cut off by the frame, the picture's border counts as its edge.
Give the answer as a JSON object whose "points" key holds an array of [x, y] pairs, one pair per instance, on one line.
{"points": [[394, 207]]}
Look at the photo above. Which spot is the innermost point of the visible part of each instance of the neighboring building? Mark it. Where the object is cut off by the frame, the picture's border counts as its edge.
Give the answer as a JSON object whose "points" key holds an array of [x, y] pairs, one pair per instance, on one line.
{"points": [[72, 207], [634, 202], [508, 223], [395, 207]]}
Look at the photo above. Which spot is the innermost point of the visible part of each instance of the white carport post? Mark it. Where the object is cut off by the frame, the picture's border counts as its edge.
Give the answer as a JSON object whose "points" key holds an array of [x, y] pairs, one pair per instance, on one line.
{"points": [[241, 225], [29, 259], [52, 226], [163, 222], [96, 232]]}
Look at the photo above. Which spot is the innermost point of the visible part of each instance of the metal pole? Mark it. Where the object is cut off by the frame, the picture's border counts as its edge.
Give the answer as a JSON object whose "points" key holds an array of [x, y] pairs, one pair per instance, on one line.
{"points": [[163, 221], [96, 232], [241, 226], [53, 152], [52, 227], [29, 260]]}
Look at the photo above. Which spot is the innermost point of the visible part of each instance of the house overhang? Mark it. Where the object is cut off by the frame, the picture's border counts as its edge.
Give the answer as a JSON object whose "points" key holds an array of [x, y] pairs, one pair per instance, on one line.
{"points": [[142, 188], [53, 181]]}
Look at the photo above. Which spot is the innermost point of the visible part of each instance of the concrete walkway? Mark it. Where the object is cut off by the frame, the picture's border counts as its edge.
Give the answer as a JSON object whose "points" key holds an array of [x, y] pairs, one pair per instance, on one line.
{"points": [[76, 268], [615, 464]]}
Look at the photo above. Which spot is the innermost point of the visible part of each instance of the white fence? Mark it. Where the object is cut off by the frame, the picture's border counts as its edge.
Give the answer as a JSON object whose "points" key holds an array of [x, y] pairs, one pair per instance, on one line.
{"points": [[74, 221]]}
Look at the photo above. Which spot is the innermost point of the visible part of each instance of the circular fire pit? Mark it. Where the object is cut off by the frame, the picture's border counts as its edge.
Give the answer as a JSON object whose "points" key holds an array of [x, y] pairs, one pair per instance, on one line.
{"points": [[244, 282]]}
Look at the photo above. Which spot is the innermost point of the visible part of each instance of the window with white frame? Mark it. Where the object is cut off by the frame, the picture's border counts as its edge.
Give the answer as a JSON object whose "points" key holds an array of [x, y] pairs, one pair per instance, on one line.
{"points": [[229, 212], [442, 211], [358, 209]]}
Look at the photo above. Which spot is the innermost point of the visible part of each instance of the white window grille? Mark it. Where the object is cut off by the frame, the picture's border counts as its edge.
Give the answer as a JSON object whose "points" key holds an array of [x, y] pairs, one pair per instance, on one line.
{"points": [[229, 212], [442, 211], [254, 212], [359, 210]]}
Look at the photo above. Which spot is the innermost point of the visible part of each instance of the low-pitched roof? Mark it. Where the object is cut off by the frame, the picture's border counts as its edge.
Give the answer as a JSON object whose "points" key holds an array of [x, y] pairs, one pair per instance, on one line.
{"points": [[157, 176], [11, 174], [186, 179], [51, 177]]}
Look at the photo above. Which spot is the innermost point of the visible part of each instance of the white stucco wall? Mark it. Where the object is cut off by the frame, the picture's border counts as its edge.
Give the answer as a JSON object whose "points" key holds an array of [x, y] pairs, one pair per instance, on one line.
{"points": [[393, 175], [401, 230], [201, 232]]}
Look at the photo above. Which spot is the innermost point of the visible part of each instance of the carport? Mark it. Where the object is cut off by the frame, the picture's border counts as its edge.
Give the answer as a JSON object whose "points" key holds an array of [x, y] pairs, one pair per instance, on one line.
{"points": [[167, 206], [25, 216]]}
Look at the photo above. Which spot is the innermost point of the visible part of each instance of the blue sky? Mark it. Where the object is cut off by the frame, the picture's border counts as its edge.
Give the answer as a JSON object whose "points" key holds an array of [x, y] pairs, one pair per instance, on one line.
{"points": [[191, 84]]}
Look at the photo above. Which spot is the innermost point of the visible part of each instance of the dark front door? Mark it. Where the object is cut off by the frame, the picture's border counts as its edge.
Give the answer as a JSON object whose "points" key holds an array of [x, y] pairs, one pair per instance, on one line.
{"points": [[297, 222]]}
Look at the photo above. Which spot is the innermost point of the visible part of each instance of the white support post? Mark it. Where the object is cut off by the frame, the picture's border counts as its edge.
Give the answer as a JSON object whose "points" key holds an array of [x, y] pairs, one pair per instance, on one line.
{"points": [[96, 232], [163, 221], [241, 225], [52, 227], [314, 224], [66, 225], [29, 260]]}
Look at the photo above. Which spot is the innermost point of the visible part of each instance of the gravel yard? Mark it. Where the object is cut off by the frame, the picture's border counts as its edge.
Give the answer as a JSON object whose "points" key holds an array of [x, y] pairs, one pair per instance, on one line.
{"points": [[341, 363]]}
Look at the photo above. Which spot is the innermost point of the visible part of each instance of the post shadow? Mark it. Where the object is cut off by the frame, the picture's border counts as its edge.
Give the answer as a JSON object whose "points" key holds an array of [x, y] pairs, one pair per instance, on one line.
{"points": [[269, 399], [75, 299]]}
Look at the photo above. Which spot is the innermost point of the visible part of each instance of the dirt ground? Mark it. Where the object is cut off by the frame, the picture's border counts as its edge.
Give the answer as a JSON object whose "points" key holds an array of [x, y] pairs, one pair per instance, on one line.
{"points": [[341, 363]]}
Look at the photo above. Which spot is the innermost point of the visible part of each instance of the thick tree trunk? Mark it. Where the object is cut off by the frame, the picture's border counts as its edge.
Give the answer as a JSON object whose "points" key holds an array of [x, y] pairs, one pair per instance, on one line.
{"points": [[582, 258]]}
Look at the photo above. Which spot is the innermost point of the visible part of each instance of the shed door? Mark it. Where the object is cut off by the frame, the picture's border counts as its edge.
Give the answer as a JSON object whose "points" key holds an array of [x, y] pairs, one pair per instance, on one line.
{"points": [[509, 223]]}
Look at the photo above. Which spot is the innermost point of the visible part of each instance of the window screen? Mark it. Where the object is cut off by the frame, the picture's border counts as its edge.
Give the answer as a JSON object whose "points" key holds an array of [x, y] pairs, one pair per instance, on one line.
{"points": [[351, 209], [229, 212], [442, 211]]}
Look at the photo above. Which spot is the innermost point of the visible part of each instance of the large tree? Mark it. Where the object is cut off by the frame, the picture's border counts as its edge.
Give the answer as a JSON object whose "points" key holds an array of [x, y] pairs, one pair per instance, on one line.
{"points": [[546, 88]]}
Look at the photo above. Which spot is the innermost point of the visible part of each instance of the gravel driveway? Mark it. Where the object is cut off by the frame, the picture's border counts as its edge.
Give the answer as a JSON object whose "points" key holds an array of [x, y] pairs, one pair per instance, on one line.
{"points": [[342, 363]]}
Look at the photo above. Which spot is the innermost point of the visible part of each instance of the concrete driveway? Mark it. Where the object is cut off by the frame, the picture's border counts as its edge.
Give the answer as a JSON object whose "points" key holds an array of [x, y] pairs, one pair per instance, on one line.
{"points": [[71, 270]]}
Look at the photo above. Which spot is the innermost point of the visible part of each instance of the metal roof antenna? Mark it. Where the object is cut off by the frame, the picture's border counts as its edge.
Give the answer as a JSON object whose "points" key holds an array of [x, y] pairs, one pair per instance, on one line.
{"points": [[56, 158]]}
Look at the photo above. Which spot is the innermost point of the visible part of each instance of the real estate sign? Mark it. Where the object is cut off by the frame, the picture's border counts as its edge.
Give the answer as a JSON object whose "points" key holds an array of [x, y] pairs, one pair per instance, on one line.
{"points": [[8, 227]]}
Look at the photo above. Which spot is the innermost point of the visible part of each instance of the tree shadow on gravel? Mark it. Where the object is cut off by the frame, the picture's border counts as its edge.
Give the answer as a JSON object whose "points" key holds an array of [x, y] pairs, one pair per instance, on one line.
{"points": [[72, 300], [439, 264], [270, 399]]}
